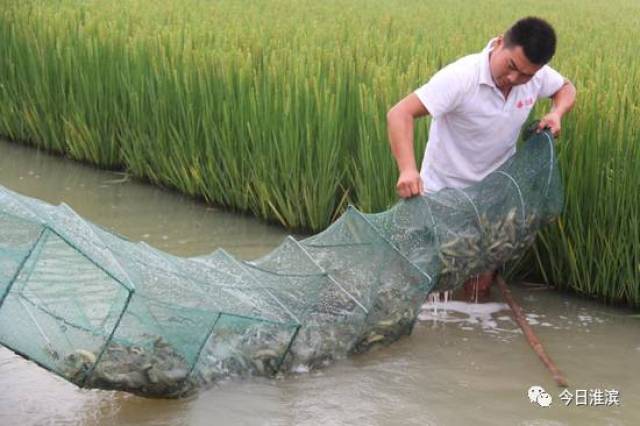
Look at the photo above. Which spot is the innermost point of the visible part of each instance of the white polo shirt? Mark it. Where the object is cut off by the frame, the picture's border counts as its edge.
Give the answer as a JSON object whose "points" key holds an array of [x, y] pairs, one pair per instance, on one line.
{"points": [[474, 130]]}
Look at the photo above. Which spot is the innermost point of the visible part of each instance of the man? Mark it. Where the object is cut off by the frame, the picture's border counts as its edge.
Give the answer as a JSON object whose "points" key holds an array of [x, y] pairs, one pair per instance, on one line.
{"points": [[478, 104]]}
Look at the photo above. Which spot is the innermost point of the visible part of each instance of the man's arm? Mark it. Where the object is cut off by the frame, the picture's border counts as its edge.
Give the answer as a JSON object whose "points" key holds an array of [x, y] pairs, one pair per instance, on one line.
{"points": [[563, 101], [400, 129]]}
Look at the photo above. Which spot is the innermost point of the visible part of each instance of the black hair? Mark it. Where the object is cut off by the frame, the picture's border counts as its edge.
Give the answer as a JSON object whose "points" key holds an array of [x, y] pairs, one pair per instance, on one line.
{"points": [[536, 36]]}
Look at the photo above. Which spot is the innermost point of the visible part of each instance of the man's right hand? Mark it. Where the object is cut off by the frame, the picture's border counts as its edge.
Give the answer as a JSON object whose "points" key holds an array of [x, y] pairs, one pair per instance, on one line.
{"points": [[409, 184], [400, 128]]}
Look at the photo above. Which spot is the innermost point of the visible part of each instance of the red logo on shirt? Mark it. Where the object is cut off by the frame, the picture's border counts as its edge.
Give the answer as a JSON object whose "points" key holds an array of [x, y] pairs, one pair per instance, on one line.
{"points": [[521, 103]]}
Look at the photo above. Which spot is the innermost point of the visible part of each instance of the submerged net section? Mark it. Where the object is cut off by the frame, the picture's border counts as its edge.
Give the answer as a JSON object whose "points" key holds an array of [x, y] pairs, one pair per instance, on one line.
{"points": [[105, 312]]}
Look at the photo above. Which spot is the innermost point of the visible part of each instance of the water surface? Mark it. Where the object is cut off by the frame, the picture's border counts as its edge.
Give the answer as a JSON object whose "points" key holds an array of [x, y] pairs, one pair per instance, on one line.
{"points": [[464, 364]]}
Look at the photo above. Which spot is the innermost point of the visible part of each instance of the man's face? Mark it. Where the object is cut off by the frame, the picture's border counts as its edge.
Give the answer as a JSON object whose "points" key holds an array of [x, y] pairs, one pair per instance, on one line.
{"points": [[509, 66]]}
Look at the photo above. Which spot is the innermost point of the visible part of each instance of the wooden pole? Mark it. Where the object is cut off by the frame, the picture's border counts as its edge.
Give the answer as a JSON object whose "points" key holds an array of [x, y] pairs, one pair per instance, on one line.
{"points": [[534, 342]]}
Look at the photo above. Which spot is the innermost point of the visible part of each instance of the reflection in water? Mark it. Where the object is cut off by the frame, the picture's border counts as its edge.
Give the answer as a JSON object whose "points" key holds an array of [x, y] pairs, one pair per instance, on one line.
{"points": [[164, 219], [464, 363]]}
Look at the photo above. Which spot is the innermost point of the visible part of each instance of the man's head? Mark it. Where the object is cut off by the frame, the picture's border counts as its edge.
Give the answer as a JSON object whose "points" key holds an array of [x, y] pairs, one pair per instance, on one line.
{"points": [[520, 52]]}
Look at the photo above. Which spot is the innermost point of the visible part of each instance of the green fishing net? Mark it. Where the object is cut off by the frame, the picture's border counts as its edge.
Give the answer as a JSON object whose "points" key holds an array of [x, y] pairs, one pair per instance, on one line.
{"points": [[105, 312]]}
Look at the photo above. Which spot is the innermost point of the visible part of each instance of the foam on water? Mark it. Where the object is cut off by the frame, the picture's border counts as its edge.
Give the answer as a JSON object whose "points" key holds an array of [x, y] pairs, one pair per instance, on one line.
{"points": [[468, 315], [496, 318]]}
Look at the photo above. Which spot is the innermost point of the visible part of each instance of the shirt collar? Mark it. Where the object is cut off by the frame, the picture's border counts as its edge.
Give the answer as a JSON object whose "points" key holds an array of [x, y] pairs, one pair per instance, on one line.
{"points": [[485, 69]]}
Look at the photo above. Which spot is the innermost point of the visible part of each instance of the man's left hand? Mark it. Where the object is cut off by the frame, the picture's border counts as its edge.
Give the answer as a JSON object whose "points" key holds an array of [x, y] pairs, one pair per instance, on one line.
{"points": [[552, 121]]}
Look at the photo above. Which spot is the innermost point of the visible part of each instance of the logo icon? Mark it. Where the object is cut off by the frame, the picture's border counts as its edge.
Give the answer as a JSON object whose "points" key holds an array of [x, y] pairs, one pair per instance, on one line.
{"points": [[537, 395]]}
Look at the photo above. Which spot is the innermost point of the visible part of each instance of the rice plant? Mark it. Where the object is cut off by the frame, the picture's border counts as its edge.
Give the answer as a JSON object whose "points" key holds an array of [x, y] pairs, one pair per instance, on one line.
{"points": [[278, 107]]}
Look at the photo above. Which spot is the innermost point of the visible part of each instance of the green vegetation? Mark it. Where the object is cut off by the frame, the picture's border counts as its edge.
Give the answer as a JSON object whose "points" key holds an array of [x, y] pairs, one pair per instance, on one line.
{"points": [[278, 107]]}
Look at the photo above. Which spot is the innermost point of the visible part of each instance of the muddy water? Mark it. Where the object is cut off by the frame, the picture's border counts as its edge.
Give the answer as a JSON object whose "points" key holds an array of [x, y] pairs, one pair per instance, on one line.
{"points": [[464, 364]]}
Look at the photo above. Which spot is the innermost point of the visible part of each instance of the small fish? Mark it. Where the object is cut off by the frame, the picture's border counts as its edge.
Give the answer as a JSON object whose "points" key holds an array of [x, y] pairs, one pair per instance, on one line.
{"points": [[385, 323], [375, 338], [137, 350], [85, 355], [265, 353]]}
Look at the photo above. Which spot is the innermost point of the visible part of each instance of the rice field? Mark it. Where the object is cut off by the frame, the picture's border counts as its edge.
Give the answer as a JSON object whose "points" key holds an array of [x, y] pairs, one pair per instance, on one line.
{"points": [[278, 108]]}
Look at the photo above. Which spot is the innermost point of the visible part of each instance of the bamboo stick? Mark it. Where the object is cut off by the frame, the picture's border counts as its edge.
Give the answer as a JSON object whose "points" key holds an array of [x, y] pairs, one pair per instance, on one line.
{"points": [[532, 339]]}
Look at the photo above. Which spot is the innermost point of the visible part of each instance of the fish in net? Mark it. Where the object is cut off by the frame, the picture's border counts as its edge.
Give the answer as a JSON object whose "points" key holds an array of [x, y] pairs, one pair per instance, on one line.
{"points": [[105, 312]]}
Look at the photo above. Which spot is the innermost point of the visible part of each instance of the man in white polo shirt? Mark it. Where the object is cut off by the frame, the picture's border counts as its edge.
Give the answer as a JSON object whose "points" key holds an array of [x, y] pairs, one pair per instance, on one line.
{"points": [[479, 104]]}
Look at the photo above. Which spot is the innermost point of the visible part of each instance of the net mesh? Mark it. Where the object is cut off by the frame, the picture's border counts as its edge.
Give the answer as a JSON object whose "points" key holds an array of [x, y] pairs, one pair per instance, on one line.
{"points": [[105, 312]]}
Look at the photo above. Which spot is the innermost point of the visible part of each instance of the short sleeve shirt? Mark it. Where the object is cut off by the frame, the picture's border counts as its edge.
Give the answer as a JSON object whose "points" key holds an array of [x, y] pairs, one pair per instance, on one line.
{"points": [[474, 129]]}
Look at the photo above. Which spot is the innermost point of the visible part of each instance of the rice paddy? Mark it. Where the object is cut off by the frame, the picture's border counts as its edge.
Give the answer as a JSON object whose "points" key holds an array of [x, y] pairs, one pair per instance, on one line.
{"points": [[278, 108]]}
